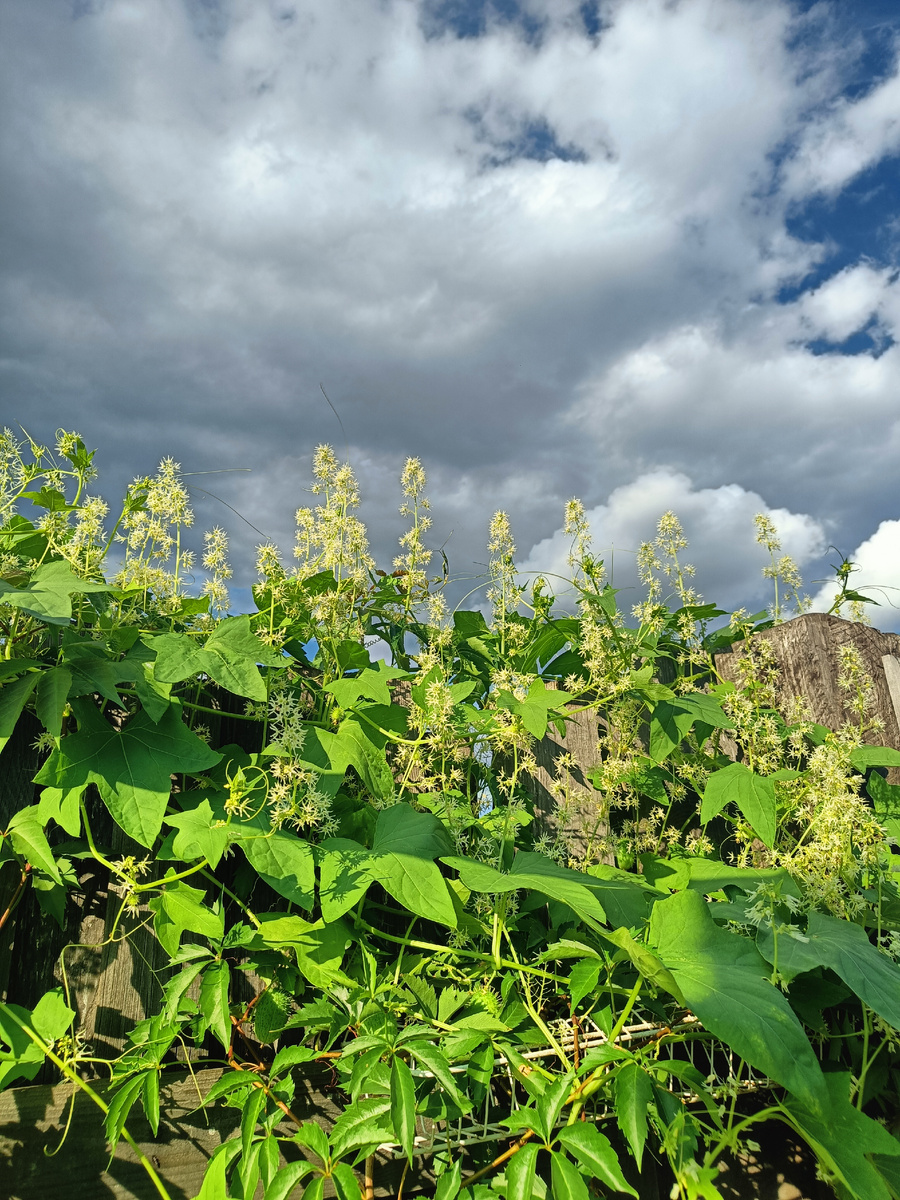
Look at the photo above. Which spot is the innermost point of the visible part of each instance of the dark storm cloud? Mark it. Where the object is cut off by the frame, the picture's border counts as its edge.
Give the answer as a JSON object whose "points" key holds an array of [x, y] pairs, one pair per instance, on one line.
{"points": [[546, 257]]}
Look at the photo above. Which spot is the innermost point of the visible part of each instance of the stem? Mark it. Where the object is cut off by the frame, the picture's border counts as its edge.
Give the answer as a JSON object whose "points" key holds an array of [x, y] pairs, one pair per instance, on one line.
{"points": [[98, 1100], [17, 894]]}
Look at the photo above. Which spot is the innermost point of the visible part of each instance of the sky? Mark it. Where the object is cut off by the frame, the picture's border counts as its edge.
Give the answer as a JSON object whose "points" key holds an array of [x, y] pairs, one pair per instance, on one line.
{"points": [[642, 252]]}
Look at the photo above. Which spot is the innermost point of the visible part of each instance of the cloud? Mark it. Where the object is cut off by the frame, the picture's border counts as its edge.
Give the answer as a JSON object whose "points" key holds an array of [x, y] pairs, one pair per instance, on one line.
{"points": [[845, 139], [544, 259], [876, 574], [718, 524]]}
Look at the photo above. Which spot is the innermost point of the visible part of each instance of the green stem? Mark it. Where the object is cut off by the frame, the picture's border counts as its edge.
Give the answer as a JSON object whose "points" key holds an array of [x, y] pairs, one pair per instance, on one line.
{"points": [[47, 1051]]}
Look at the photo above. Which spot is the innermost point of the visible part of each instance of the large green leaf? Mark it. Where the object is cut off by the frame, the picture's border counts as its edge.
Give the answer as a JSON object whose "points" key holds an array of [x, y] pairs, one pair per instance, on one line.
{"points": [[285, 863], [726, 983], [846, 1138], [672, 721], [403, 1106], [886, 802], [95, 669], [535, 708], [358, 745], [319, 947], [373, 683], [405, 845], [49, 594], [344, 875], [864, 757], [845, 948], [753, 794], [198, 834], [536, 873], [179, 907], [230, 657], [213, 1001], [29, 841], [13, 698], [132, 767], [52, 697]]}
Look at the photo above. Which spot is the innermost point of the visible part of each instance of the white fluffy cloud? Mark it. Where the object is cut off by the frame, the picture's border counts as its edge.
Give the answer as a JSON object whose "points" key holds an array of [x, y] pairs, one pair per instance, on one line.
{"points": [[877, 574], [546, 264], [717, 522]]}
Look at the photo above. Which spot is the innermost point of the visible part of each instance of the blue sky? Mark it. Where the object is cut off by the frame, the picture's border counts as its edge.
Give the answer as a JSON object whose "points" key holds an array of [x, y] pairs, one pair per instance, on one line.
{"points": [[639, 251]]}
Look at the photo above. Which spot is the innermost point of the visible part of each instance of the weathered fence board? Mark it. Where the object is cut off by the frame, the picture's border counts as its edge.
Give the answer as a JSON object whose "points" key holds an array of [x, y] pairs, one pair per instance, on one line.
{"points": [[807, 652], [32, 1120]]}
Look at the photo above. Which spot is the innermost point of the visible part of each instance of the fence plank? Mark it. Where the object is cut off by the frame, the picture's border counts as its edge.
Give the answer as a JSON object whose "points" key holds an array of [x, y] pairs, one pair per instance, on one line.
{"points": [[807, 652]]}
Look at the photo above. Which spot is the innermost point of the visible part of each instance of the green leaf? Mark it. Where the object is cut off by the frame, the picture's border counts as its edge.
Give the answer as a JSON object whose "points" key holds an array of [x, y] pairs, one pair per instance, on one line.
{"points": [[52, 697], [843, 1137], [405, 845], [179, 907], [29, 841], [670, 724], [647, 963], [520, 1173], [249, 1117], [290, 1056], [725, 982], [319, 947], [595, 1155], [23, 1058], [13, 698], [93, 670], [864, 757], [403, 1106], [344, 876], [232, 1082], [285, 863], [536, 873], [565, 1179], [313, 1137], [233, 650], [132, 768], [52, 1016], [363, 1123], [315, 1190], [119, 1108], [844, 948], [753, 795], [550, 1105], [373, 683], [361, 747], [150, 1099], [269, 1157], [583, 980], [49, 594], [885, 802], [634, 1094], [230, 657], [449, 1183], [178, 985], [431, 1058], [344, 1182], [286, 1179], [534, 709], [711, 875], [198, 835], [214, 1001], [248, 1171], [214, 1186]]}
